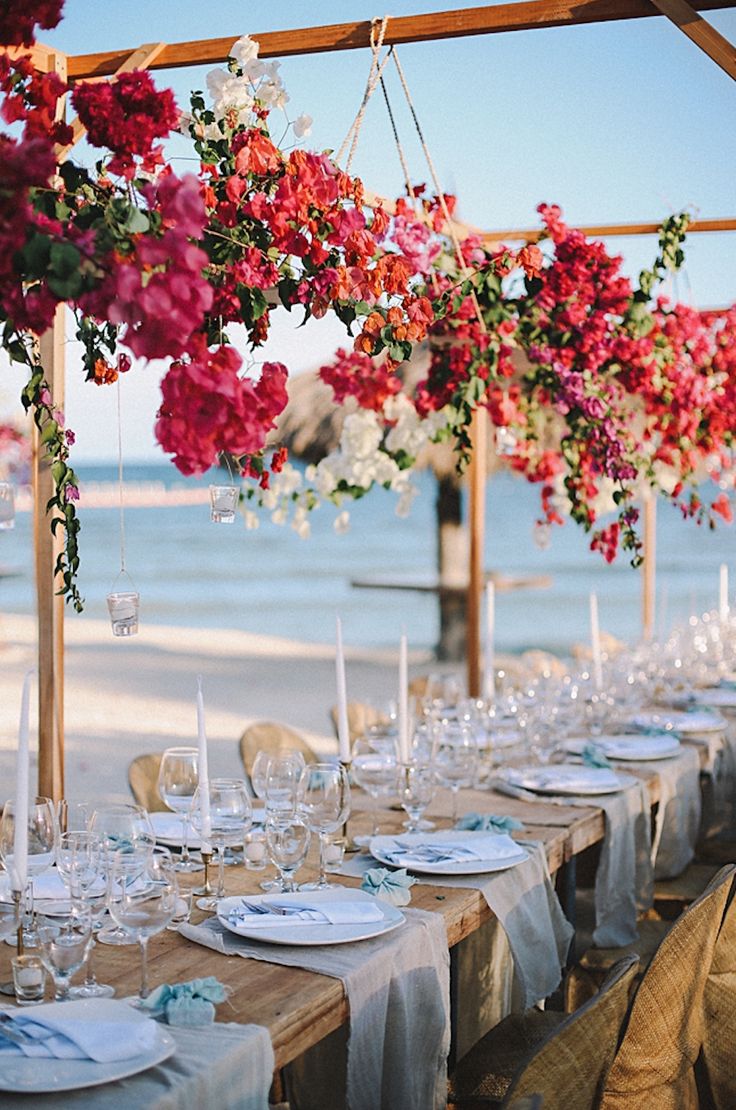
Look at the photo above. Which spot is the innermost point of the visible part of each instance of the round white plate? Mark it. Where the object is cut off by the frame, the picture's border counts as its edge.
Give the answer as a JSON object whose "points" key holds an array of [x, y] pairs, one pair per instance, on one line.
{"points": [[674, 720], [382, 847], [633, 746], [564, 779], [167, 829], [36, 1075], [722, 697], [314, 934]]}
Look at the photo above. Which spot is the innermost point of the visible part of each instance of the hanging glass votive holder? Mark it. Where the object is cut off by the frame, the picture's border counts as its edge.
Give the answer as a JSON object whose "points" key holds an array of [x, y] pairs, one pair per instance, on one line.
{"points": [[223, 503], [123, 606], [7, 505], [506, 442]]}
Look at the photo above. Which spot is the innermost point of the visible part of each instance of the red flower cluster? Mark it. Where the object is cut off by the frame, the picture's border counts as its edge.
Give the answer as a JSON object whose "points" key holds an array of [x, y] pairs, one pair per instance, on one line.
{"points": [[126, 116], [18, 20], [355, 375], [209, 410]]}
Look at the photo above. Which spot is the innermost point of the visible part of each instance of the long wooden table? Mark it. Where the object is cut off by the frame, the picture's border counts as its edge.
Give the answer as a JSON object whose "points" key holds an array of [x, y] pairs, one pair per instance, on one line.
{"points": [[299, 1007]]}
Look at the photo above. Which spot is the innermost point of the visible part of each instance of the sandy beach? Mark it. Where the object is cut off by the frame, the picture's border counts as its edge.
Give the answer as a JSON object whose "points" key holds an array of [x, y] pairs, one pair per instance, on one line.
{"points": [[126, 697]]}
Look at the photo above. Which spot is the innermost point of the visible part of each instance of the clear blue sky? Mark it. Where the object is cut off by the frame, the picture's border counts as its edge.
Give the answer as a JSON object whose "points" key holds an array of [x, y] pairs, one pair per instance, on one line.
{"points": [[615, 122]]}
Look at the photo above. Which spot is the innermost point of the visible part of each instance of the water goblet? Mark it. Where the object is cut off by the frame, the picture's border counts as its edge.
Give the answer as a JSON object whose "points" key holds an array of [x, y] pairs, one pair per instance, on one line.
{"points": [[43, 833], [121, 828], [281, 781], [324, 803], [416, 785], [229, 819], [81, 864], [178, 778], [287, 840], [143, 898], [456, 758], [374, 770], [65, 943]]}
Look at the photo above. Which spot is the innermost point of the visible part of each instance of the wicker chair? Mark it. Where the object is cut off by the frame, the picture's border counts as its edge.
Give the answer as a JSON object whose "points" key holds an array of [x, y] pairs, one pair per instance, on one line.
{"points": [[716, 1074], [563, 1060], [655, 1064], [273, 737], [143, 781], [361, 717]]}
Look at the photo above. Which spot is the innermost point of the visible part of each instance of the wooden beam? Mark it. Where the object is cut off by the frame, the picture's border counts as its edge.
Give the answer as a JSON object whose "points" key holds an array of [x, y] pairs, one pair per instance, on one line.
{"points": [[607, 230], [489, 19], [702, 33], [477, 529]]}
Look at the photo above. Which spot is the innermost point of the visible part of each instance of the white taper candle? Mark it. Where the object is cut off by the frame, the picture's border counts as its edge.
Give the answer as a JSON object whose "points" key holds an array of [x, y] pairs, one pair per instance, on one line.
{"points": [[343, 730], [204, 773], [403, 701], [490, 644], [19, 875], [724, 608], [595, 643]]}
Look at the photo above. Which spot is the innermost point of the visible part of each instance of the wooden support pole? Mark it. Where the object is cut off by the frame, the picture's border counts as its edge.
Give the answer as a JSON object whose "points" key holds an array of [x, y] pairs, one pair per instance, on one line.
{"points": [[477, 522], [532, 234], [50, 604], [702, 33], [486, 20], [649, 567]]}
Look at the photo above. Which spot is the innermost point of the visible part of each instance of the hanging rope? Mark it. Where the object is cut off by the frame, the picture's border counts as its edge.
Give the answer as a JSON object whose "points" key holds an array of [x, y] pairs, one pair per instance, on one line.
{"points": [[120, 480], [374, 74], [397, 140]]}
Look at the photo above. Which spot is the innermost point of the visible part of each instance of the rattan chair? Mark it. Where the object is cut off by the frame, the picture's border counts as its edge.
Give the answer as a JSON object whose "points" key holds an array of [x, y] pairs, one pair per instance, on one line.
{"points": [[716, 1074], [272, 737], [655, 1064], [361, 717], [562, 1059], [143, 781]]}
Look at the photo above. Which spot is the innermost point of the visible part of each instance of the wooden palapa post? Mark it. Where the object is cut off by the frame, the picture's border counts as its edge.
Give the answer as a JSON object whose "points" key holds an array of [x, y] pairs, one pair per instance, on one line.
{"points": [[477, 521]]}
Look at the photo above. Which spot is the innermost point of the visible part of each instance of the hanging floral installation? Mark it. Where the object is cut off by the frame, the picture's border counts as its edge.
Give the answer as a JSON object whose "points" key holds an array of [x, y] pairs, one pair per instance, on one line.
{"points": [[158, 266]]}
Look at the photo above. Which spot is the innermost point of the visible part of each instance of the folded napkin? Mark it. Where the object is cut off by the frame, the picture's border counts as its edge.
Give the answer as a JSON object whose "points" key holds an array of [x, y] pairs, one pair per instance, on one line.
{"points": [[594, 756], [293, 909], [495, 846], [187, 1004], [390, 886], [488, 822], [108, 1031]]}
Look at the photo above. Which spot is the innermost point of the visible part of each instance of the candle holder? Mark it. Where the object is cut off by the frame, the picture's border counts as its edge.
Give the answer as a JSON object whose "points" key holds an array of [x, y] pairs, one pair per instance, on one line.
{"points": [[350, 845], [8, 988], [206, 888]]}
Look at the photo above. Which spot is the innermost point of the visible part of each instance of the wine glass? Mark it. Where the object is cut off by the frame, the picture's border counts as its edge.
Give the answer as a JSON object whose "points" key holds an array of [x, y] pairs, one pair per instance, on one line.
{"points": [[230, 817], [65, 944], [126, 828], [178, 778], [283, 771], [324, 803], [287, 840], [143, 897], [43, 832], [416, 785], [456, 758], [374, 770], [81, 864]]}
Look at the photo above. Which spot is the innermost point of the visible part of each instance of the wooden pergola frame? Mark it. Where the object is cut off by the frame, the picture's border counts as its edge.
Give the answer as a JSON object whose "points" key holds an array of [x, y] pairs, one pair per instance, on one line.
{"points": [[484, 20]]}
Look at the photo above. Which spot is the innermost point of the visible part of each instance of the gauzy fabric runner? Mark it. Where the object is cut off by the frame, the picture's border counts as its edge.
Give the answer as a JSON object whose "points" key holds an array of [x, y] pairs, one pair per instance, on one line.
{"points": [[398, 990], [678, 812], [524, 901], [228, 1067]]}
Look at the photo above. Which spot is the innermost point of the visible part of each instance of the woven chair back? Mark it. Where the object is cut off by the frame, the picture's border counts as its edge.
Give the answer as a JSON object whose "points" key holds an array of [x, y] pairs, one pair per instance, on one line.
{"points": [[717, 1070], [143, 781], [361, 717], [270, 736], [654, 1066], [569, 1069]]}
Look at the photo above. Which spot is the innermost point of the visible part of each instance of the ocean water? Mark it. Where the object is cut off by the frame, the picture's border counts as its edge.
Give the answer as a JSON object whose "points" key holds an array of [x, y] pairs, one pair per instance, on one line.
{"points": [[193, 573]]}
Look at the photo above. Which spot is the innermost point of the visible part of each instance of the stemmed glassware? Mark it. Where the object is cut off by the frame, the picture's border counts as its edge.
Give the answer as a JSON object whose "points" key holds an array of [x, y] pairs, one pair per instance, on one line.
{"points": [[230, 818], [416, 785], [43, 832], [65, 944], [178, 778], [81, 864], [287, 841], [143, 897], [324, 803], [456, 758], [281, 780], [374, 770], [121, 828]]}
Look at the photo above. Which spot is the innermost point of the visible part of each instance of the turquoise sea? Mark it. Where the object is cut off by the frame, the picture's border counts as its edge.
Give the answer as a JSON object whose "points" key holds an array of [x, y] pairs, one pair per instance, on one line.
{"points": [[193, 573]]}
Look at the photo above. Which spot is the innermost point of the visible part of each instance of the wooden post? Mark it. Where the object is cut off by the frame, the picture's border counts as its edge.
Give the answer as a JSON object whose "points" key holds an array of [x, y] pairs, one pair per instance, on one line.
{"points": [[50, 605], [649, 567], [477, 522]]}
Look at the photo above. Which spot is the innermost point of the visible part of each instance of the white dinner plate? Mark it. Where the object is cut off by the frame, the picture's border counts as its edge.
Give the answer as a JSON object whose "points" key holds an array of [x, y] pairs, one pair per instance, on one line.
{"points": [[675, 720], [38, 1075], [167, 829], [629, 746], [314, 933], [720, 697], [382, 848], [564, 778], [50, 893]]}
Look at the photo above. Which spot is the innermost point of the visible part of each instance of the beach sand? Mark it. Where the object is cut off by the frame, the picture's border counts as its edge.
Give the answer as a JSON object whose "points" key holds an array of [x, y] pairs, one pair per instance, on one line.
{"points": [[127, 697]]}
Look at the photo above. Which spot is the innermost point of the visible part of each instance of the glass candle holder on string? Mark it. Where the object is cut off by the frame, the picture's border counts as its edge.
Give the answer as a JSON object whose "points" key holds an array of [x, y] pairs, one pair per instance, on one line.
{"points": [[223, 503], [7, 505]]}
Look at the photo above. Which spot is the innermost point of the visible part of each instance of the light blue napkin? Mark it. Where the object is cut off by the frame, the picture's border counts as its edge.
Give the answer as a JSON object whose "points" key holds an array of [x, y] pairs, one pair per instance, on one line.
{"points": [[488, 822], [594, 756], [390, 886], [188, 1004]]}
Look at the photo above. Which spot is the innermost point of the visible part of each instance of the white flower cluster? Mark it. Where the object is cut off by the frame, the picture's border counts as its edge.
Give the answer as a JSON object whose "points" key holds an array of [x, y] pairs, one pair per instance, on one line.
{"points": [[234, 94], [366, 456]]}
